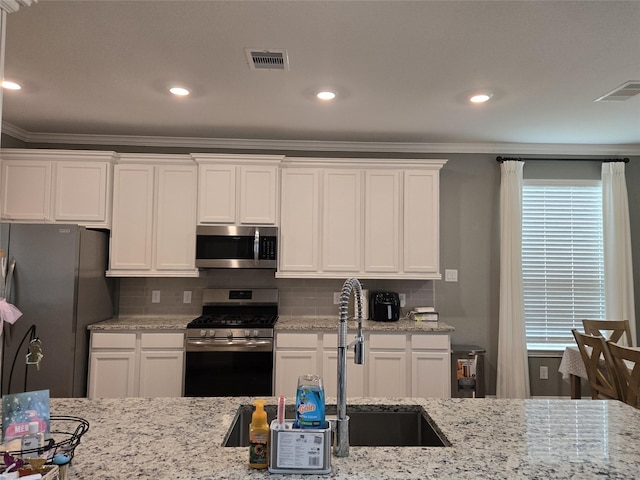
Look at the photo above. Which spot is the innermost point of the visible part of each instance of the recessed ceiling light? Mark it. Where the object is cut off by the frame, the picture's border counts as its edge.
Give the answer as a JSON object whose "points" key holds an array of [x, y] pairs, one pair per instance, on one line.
{"points": [[179, 91], [480, 98], [11, 85], [326, 95]]}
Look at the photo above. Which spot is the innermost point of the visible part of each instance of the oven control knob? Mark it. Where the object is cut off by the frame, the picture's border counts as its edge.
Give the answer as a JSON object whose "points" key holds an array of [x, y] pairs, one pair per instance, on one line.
{"points": [[255, 334], [203, 333], [229, 334], [247, 333], [212, 333]]}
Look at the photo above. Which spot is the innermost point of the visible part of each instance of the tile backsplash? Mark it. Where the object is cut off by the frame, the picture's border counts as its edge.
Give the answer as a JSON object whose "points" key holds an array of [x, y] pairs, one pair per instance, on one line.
{"points": [[301, 297]]}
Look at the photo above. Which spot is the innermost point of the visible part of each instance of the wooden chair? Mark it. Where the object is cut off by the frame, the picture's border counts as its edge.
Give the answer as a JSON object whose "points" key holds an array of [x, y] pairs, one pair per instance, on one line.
{"points": [[617, 328], [627, 363], [601, 371]]}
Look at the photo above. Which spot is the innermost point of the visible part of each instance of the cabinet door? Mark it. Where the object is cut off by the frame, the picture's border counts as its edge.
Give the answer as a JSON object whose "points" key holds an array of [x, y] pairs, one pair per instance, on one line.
{"points": [[161, 373], [289, 365], [387, 374], [112, 374], [342, 221], [175, 236], [131, 234], [430, 375], [258, 195], [26, 190], [355, 375], [421, 221], [217, 194], [299, 220], [382, 221], [81, 192]]}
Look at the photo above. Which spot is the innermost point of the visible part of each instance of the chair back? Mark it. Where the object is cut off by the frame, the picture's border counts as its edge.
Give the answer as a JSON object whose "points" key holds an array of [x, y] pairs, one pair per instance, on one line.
{"points": [[627, 363], [601, 371], [611, 330]]}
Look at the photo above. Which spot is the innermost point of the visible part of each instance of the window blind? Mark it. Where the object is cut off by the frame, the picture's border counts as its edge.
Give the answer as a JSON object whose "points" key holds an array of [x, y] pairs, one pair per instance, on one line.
{"points": [[562, 260]]}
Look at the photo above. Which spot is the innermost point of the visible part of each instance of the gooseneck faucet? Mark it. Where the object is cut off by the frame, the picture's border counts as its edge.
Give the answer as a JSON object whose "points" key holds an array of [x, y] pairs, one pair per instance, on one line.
{"points": [[341, 447]]}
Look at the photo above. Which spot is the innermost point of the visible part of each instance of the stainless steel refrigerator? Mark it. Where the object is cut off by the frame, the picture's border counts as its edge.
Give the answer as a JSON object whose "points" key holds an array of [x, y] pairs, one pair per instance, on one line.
{"points": [[59, 285]]}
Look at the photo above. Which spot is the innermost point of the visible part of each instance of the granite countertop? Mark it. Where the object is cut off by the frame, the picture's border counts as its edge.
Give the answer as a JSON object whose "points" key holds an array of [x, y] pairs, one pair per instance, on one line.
{"points": [[289, 323], [181, 438], [331, 323]]}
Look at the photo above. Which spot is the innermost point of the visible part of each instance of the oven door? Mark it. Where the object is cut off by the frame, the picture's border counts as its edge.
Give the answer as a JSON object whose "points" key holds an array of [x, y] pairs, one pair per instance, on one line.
{"points": [[215, 368]]}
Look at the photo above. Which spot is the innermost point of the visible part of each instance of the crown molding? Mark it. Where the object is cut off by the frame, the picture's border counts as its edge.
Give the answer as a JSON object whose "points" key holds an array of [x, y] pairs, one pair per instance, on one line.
{"points": [[196, 143]]}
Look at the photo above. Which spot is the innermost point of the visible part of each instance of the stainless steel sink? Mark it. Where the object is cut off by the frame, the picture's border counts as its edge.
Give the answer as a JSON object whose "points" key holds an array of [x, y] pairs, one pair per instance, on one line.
{"points": [[369, 425]]}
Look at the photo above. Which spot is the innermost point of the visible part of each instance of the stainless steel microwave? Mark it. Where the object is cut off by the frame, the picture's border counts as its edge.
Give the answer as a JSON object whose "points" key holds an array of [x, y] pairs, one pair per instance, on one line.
{"points": [[229, 246]]}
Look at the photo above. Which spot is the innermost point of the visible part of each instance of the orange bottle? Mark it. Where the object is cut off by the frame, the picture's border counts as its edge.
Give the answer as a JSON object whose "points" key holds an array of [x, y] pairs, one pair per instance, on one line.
{"points": [[259, 437]]}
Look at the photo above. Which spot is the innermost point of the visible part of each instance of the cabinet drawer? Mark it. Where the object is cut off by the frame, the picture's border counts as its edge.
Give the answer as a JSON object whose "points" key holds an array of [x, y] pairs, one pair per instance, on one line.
{"points": [[388, 341], [162, 340], [113, 340], [296, 340], [430, 341]]}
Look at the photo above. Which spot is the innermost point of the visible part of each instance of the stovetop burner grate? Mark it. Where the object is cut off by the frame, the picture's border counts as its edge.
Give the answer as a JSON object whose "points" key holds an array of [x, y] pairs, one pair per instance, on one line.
{"points": [[229, 320]]}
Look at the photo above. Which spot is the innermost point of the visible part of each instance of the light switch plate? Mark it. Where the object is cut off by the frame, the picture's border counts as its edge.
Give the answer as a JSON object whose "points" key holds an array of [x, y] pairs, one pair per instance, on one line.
{"points": [[186, 296], [451, 275], [155, 296], [544, 372], [403, 299], [336, 298]]}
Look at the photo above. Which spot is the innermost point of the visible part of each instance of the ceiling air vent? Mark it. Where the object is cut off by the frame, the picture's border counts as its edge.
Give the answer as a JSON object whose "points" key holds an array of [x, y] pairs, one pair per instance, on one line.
{"points": [[622, 93], [267, 59]]}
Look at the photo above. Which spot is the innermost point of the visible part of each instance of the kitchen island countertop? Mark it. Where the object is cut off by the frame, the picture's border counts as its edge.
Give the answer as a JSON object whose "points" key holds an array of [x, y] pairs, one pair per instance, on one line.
{"points": [[181, 438], [285, 322]]}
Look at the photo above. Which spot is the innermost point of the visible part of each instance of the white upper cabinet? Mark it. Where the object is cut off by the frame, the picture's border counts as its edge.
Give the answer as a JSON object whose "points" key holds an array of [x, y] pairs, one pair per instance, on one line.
{"points": [[299, 220], [382, 221], [342, 220], [422, 217], [154, 217], [57, 186], [237, 189], [370, 218]]}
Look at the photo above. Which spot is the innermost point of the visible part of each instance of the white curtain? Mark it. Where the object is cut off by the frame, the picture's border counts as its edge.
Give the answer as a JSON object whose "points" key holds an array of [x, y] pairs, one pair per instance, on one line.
{"points": [[513, 363], [618, 268]]}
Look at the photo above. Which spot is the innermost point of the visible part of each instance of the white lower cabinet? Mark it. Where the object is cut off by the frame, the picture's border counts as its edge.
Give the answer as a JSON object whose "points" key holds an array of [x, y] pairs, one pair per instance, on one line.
{"points": [[355, 373], [295, 355], [396, 365], [136, 364], [430, 366], [387, 365]]}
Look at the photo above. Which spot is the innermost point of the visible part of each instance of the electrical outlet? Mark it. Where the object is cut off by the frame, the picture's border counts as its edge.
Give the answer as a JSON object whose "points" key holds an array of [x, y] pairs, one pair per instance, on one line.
{"points": [[544, 372], [336, 298], [451, 275], [403, 299], [155, 296], [186, 296]]}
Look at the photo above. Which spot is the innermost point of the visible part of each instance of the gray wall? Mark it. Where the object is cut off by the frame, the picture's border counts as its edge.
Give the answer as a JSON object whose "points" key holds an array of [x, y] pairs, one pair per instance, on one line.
{"points": [[469, 242]]}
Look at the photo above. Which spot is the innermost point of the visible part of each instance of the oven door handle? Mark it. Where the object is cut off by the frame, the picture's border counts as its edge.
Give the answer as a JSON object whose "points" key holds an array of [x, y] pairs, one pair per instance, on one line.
{"points": [[229, 346]]}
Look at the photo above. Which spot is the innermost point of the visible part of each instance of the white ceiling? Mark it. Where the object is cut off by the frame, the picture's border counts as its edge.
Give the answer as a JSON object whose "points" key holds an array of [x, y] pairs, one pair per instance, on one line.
{"points": [[402, 70]]}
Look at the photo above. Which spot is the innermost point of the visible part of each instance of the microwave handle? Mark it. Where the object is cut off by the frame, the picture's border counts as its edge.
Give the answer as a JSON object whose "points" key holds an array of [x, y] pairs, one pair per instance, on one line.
{"points": [[256, 247]]}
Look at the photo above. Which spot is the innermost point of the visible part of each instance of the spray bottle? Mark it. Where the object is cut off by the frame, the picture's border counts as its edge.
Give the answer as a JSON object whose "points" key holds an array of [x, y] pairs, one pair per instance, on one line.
{"points": [[259, 437]]}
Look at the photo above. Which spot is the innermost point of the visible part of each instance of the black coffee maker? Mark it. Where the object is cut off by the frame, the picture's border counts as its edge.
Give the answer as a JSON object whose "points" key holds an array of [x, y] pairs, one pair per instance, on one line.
{"points": [[384, 306]]}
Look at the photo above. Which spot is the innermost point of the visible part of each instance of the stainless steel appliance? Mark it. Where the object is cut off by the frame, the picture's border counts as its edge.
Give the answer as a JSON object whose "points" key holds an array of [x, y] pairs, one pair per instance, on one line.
{"points": [[236, 247], [60, 287], [229, 348], [384, 306]]}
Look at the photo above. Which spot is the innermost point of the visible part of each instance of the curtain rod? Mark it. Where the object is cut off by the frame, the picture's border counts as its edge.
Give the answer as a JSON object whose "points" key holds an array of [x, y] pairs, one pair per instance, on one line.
{"points": [[603, 160]]}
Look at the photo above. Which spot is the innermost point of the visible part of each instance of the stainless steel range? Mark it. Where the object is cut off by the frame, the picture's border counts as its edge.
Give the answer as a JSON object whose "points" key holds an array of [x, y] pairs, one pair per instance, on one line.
{"points": [[229, 348]]}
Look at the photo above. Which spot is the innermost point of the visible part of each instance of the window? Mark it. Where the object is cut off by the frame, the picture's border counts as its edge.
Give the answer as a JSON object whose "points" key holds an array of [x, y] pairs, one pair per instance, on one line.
{"points": [[562, 259]]}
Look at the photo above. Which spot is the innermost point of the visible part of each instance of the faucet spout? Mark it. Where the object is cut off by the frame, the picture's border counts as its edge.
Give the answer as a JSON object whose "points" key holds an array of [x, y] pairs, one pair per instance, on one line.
{"points": [[341, 448]]}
